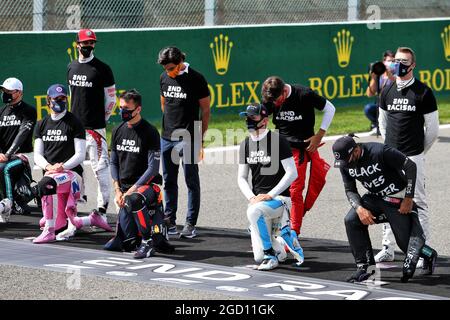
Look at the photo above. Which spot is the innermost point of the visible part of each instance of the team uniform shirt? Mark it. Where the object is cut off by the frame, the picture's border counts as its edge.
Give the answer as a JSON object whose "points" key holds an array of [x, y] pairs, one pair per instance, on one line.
{"points": [[379, 169], [405, 111], [87, 82], [262, 155], [181, 101], [132, 146], [58, 138], [11, 119], [295, 119]]}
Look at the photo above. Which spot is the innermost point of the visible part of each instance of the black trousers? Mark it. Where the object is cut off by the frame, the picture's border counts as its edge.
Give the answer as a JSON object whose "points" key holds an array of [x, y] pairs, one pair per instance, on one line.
{"points": [[406, 228]]}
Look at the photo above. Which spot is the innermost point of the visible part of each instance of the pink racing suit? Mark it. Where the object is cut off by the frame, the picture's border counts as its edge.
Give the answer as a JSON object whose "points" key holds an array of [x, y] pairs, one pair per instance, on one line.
{"points": [[64, 202]]}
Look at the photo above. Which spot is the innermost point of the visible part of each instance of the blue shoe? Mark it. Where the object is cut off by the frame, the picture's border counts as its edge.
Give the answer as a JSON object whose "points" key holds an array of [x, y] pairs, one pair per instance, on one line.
{"points": [[289, 237], [146, 250]]}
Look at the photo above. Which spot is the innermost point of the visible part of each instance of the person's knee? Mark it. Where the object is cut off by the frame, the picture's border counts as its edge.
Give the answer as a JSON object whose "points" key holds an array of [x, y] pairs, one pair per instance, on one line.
{"points": [[351, 219], [253, 214]]}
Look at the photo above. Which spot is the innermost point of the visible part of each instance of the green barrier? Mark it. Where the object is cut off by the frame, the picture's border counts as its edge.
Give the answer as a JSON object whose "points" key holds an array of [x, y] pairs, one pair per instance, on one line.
{"points": [[331, 58]]}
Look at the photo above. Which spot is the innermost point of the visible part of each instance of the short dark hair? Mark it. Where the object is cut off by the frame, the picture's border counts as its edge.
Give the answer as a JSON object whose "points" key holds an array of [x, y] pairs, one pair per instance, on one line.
{"points": [[408, 50], [272, 88], [171, 55], [132, 94], [388, 53]]}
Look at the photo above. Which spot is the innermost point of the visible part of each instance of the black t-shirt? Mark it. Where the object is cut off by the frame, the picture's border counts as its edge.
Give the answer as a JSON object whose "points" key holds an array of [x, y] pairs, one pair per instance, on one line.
{"points": [[11, 118], [87, 82], [405, 115], [132, 146], [181, 101], [379, 169], [264, 159], [295, 119], [58, 137]]}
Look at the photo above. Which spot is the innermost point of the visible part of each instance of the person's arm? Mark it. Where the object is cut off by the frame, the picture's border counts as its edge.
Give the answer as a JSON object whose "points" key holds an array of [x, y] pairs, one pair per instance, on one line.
{"points": [[78, 157], [431, 129], [328, 108], [351, 191], [110, 100], [153, 160], [26, 128], [242, 180], [205, 110], [38, 152], [372, 88], [289, 176], [162, 103], [382, 121]]}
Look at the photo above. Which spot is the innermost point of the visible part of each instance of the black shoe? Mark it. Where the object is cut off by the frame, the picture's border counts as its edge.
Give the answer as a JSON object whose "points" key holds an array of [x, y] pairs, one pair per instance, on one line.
{"points": [[146, 250], [360, 275], [430, 264]]}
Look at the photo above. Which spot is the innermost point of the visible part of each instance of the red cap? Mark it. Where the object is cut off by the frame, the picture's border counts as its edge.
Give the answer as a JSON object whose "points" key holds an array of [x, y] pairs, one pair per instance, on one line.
{"points": [[86, 35]]}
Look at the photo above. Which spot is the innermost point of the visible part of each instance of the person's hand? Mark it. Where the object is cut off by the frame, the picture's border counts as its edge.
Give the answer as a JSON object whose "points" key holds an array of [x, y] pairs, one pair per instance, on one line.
{"points": [[365, 216], [314, 142], [119, 198], [253, 200], [58, 167], [3, 158], [406, 206], [263, 197], [201, 153]]}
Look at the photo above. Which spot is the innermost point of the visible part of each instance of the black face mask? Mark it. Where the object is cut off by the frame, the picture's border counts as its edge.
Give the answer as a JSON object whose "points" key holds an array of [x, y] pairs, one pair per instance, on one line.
{"points": [[7, 97], [253, 124], [401, 69], [86, 51], [126, 115]]}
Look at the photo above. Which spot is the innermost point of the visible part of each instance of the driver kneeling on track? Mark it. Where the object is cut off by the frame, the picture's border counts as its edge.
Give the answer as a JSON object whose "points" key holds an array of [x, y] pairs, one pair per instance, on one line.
{"points": [[135, 158], [389, 177], [269, 158]]}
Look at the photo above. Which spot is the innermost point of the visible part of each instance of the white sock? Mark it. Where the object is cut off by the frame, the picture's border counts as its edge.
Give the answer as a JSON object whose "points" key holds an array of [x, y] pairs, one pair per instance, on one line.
{"points": [[50, 223], [86, 221]]}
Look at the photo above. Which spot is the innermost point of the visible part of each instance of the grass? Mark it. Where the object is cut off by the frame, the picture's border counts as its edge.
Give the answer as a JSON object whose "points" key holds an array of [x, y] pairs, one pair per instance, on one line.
{"points": [[346, 119]]}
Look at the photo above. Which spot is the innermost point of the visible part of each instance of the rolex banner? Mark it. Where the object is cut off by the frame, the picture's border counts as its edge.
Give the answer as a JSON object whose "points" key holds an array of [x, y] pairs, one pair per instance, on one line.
{"points": [[333, 59]]}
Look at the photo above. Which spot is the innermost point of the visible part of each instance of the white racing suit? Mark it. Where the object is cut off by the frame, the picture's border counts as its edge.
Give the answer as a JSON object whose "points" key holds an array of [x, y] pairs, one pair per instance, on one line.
{"points": [[270, 228], [97, 150]]}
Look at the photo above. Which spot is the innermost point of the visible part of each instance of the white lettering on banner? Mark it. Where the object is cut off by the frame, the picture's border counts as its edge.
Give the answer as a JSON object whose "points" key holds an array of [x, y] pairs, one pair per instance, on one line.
{"points": [[248, 282]]}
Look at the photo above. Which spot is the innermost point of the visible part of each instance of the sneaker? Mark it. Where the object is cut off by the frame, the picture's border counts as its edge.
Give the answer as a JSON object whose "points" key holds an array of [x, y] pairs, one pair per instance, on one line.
{"points": [[385, 255], [97, 220], [269, 262], [374, 131], [420, 263], [5, 210], [360, 275], [67, 234], [48, 235], [145, 250], [188, 231], [430, 264], [171, 227]]}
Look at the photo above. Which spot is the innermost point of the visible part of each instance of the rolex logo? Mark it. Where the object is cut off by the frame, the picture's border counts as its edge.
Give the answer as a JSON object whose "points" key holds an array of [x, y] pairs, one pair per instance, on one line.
{"points": [[343, 43], [73, 52], [446, 42], [221, 51]]}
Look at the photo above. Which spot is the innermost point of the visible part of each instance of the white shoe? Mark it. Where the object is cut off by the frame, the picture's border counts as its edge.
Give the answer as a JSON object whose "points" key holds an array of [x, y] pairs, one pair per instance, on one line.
{"points": [[269, 263], [67, 234], [5, 210], [385, 255], [419, 264]]}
